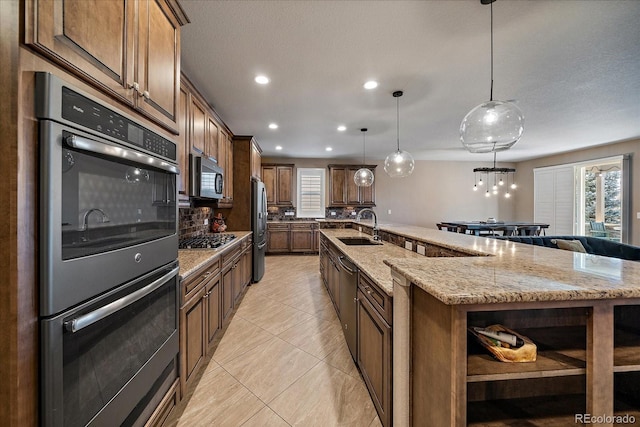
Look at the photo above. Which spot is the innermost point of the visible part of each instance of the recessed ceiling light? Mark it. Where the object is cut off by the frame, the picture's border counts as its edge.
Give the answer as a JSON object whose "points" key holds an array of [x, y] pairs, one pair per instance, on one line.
{"points": [[263, 80], [273, 126], [278, 147], [371, 84], [328, 149], [342, 128]]}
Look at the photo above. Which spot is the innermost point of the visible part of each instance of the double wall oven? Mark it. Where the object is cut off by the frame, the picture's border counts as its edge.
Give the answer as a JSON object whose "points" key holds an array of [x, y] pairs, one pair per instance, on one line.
{"points": [[108, 261]]}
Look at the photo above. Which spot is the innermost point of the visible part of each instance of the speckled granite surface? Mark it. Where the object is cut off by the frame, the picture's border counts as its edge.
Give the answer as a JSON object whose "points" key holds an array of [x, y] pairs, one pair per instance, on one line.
{"points": [[519, 273], [496, 271], [370, 258], [191, 260]]}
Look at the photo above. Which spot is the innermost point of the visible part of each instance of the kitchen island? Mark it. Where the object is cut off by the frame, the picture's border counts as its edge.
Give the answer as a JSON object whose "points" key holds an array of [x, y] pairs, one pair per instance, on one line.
{"points": [[581, 310]]}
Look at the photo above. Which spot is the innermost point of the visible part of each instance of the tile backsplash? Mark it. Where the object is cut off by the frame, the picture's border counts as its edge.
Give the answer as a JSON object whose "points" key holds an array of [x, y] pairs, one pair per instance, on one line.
{"points": [[192, 222], [275, 213]]}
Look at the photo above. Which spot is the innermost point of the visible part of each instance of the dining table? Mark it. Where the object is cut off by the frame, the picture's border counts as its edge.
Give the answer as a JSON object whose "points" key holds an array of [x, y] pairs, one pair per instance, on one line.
{"points": [[484, 227]]}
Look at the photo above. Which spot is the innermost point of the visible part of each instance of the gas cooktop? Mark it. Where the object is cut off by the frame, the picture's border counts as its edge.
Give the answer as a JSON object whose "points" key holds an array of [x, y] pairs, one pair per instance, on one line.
{"points": [[207, 241]]}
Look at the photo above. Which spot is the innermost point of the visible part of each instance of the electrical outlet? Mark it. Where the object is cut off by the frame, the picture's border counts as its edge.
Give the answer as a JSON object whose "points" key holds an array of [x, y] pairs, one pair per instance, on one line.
{"points": [[206, 221], [421, 249], [389, 212], [638, 215], [360, 229], [408, 246], [354, 213], [289, 213], [333, 213]]}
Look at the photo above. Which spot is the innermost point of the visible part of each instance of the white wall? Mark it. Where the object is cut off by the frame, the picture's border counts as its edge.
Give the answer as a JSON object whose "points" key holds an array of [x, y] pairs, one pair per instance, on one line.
{"points": [[435, 192]]}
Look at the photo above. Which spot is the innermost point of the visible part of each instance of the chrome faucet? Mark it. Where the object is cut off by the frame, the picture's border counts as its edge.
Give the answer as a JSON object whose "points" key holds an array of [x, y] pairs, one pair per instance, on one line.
{"points": [[376, 236], [85, 218]]}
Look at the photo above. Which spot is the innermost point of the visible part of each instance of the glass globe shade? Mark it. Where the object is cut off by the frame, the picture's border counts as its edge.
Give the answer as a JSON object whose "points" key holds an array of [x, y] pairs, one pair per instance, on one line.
{"points": [[492, 126], [363, 177], [399, 164]]}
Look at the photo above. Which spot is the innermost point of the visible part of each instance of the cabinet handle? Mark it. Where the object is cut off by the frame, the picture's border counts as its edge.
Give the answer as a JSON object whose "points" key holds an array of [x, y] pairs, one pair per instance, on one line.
{"points": [[136, 87], [368, 289], [355, 300], [146, 94], [207, 274]]}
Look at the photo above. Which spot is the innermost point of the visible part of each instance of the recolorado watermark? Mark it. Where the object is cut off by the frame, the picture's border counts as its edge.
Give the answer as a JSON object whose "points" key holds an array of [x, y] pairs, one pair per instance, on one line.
{"points": [[604, 419]]}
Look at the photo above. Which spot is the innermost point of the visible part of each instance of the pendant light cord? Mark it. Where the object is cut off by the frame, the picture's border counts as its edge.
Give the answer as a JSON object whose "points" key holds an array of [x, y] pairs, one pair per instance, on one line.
{"points": [[491, 93], [363, 147], [398, 121]]}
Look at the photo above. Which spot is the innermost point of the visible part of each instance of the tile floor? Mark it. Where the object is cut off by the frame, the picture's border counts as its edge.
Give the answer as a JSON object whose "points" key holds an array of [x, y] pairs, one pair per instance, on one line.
{"points": [[282, 361]]}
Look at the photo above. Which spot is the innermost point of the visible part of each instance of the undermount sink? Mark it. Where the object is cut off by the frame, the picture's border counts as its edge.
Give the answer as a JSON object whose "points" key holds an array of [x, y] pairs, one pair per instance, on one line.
{"points": [[358, 241]]}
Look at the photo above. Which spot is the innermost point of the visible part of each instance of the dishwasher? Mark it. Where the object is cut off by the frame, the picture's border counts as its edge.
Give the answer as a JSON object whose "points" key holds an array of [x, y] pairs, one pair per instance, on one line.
{"points": [[348, 291]]}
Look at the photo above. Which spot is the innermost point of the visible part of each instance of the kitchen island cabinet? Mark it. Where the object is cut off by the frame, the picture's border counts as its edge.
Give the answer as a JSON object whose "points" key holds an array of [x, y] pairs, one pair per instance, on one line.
{"points": [[577, 308]]}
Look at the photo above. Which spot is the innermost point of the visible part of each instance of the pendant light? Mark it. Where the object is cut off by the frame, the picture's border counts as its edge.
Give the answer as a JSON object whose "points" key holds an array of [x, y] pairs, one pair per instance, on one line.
{"points": [[493, 125], [363, 176], [398, 164]]}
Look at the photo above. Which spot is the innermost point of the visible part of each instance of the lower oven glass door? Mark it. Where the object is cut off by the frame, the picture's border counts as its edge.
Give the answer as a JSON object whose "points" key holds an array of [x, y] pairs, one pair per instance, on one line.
{"points": [[101, 359]]}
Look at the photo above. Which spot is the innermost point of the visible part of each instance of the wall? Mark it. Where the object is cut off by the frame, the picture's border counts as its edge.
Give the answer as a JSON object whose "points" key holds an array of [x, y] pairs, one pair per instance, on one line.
{"points": [[435, 192], [524, 208]]}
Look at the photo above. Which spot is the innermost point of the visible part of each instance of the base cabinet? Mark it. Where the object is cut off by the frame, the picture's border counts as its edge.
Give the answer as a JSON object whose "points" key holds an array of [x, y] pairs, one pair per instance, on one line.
{"points": [[292, 237], [374, 356]]}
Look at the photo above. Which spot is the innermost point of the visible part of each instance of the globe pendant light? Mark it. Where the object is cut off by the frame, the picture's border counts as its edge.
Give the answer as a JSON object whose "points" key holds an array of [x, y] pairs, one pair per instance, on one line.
{"points": [[398, 164], [493, 125], [363, 176]]}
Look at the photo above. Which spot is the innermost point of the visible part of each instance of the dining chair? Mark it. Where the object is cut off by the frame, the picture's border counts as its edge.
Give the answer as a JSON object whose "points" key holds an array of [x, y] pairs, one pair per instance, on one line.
{"points": [[598, 229], [532, 230]]}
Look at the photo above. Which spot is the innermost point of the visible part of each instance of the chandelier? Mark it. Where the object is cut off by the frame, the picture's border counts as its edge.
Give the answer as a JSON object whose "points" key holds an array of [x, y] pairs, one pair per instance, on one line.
{"points": [[492, 125], [495, 179]]}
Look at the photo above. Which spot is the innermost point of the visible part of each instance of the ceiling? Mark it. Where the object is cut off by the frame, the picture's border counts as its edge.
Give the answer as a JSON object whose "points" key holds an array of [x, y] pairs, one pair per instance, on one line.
{"points": [[573, 68]]}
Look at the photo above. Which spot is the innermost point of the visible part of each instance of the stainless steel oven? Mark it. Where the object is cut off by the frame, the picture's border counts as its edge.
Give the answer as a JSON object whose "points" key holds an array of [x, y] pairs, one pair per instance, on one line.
{"points": [[108, 361], [108, 261], [108, 197]]}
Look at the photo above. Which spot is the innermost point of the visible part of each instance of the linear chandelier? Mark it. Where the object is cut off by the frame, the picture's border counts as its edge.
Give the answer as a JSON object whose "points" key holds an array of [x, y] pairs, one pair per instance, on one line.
{"points": [[502, 178]]}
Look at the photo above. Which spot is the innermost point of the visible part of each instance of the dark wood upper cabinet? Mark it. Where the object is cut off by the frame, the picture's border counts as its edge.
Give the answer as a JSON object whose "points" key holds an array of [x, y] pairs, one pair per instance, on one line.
{"points": [[278, 182], [128, 49], [343, 190]]}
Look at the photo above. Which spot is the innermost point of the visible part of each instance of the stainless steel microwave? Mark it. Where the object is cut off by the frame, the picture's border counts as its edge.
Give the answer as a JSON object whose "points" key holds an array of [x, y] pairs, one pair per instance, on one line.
{"points": [[206, 179]]}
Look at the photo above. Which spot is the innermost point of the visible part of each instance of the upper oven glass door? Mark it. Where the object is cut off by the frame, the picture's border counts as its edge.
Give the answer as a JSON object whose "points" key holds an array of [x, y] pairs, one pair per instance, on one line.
{"points": [[112, 198]]}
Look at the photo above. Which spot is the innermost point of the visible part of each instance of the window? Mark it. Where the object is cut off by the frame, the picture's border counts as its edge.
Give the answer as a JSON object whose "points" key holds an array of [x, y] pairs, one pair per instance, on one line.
{"points": [[310, 188], [574, 198]]}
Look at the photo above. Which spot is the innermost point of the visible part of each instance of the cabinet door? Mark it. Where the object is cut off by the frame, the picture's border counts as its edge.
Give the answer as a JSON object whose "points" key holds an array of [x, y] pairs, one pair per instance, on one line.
{"points": [[158, 62], [238, 278], [301, 240], [353, 191], [192, 337], [368, 195], [255, 162], [229, 169], [248, 266], [183, 147], [284, 185], [212, 138], [214, 315], [198, 125], [337, 187], [278, 241], [269, 179], [227, 293], [93, 39], [374, 357]]}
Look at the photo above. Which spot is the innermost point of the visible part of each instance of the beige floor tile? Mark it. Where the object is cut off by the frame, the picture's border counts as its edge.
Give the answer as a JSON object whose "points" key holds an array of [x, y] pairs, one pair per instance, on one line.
{"points": [[273, 316], [341, 359], [240, 336], [219, 400], [309, 302], [266, 418], [375, 423], [270, 368], [325, 396], [315, 336]]}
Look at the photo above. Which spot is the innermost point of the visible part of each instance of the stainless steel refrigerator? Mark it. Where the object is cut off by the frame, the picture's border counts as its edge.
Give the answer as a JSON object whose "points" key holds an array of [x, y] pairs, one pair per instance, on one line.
{"points": [[259, 227]]}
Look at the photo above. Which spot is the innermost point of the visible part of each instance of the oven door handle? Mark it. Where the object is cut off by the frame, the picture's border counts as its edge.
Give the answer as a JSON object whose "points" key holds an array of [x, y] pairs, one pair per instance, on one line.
{"points": [[90, 318], [105, 149]]}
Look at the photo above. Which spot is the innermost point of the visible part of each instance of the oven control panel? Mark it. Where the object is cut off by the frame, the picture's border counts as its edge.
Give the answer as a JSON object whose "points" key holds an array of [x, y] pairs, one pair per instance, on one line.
{"points": [[87, 113]]}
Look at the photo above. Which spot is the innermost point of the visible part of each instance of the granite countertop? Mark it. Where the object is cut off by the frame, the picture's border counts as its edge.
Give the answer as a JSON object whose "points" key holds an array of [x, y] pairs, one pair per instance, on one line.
{"points": [[369, 259], [516, 272], [298, 221], [191, 260]]}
